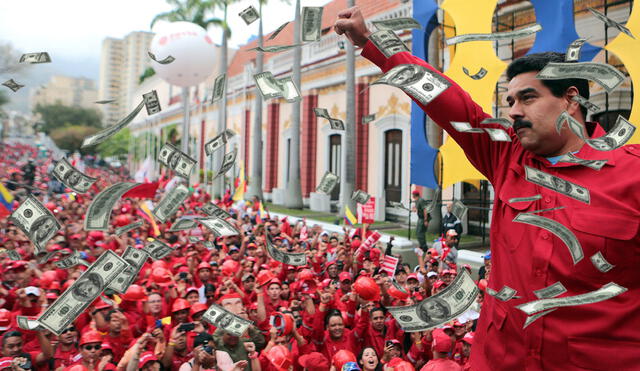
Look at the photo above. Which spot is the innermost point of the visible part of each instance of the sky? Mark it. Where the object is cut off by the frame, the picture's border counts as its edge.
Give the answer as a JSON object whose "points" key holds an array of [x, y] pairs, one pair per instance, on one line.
{"points": [[71, 31]]}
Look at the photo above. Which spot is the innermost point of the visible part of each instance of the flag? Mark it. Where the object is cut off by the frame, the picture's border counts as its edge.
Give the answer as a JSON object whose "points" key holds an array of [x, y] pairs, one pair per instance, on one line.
{"points": [[146, 190], [349, 218], [144, 210], [242, 185], [389, 264], [6, 200], [368, 243], [261, 212]]}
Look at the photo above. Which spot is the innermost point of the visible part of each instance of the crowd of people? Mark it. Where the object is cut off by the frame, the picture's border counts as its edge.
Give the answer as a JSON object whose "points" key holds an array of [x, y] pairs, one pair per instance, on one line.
{"points": [[321, 316]]}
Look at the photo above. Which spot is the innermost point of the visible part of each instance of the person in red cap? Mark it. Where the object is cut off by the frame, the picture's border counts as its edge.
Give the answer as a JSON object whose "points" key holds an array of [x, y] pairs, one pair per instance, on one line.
{"points": [[66, 350], [441, 346], [314, 361], [467, 342], [13, 346], [90, 346], [119, 334], [203, 276], [376, 331]]}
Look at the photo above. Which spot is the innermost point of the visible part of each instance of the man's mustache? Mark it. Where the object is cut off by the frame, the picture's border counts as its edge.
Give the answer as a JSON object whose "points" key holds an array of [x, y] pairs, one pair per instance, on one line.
{"points": [[519, 124]]}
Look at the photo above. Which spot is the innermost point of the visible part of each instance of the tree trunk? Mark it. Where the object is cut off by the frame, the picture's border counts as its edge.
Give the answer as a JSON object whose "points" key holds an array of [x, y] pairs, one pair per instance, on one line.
{"points": [[348, 176], [219, 184], [293, 195], [255, 180]]}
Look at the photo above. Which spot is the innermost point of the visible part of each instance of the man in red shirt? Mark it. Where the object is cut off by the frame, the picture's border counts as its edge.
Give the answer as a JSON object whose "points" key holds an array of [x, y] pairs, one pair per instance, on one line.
{"points": [[66, 350], [441, 346], [598, 212]]}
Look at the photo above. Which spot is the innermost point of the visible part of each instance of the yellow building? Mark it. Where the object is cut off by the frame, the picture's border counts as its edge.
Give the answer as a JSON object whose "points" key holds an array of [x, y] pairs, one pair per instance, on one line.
{"points": [[65, 90]]}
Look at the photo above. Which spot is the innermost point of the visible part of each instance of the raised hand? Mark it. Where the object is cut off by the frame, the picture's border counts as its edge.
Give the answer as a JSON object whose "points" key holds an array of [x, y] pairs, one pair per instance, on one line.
{"points": [[351, 23]]}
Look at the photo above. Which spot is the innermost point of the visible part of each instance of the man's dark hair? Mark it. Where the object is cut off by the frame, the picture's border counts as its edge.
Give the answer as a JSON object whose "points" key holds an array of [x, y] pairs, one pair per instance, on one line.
{"points": [[331, 313], [110, 313], [10, 334], [379, 309], [537, 62]]}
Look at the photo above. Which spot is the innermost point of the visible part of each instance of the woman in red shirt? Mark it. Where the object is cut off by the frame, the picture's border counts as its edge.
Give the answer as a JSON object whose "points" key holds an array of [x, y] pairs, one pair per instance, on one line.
{"points": [[335, 336]]}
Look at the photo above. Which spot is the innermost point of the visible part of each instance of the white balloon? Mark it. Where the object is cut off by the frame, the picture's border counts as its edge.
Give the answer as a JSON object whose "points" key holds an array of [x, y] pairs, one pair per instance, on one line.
{"points": [[192, 48]]}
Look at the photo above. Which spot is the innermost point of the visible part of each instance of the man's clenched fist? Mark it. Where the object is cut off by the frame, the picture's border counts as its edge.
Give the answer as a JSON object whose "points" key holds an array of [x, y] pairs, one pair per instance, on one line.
{"points": [[351, 23]]}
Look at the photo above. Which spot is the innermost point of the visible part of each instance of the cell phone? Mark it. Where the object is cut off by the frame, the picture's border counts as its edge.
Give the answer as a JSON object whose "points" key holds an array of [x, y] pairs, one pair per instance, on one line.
{"points": [[208, 349], [187, 327], [183, 275], [388, 343]]}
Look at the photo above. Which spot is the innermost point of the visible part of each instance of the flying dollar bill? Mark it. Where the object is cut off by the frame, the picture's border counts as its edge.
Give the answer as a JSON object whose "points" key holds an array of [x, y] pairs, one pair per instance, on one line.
{"points": [[505, 123], [29, 324], [531, 319], [72, 177], [550, 291], [606, 292], [388, 42], [311, 29], [274, 48], [41, 57], [295, 259], [77, 298], [227, 163], [176, 160], [584, 102], [439, 308], [12, 254], [268, 85], [218, 141], [557, 184], [168, 59], [113, 129], [525, 199], [168, 206], [36, 222], [368, 118], [336, 124], [465, 127], [157, 249], [321, 112], [605, 75], [183, 224], [419, 82], [360, 196], [506, 293], [476, 76], [106, 101], [71, 261], [219, 227], [193, 239], [562, 232], [593, 164], [498, 135], [213, 210], [249, 15], [459, 209], [129, 227], [11, 84], [225, 320], [610, 22], [397, 24], [530, 30], [617, 136], [151, 102], [219, 88], [398, 205], [573, 51], [601, 263], [328, 182], [135, 259], [290, 91], [99, 212], [278, 30]]}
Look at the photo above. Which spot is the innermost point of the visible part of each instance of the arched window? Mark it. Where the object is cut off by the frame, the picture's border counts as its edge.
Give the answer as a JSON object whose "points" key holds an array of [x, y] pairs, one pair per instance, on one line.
{"points": [[335, 161], [393, 165]]}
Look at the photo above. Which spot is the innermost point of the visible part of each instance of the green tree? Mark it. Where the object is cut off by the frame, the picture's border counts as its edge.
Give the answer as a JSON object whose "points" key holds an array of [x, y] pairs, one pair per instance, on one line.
{"points": [[194, 11], [146, 74], [117, 145], [57, 116], [70, 137]]}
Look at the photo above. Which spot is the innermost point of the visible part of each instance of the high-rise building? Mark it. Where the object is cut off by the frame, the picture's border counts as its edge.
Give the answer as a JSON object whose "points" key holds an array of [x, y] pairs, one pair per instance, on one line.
{"points": [[121, 64], [65, 90]]}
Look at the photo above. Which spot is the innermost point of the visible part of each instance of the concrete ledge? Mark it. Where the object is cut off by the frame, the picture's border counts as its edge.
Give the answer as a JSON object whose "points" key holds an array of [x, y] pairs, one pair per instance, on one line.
{"points": [[277, 196], [320, 202]]}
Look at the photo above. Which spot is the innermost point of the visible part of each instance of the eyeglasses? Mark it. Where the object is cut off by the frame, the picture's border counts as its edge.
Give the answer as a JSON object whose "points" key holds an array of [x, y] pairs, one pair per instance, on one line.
{"points": [[67, 330], [93, 347]]}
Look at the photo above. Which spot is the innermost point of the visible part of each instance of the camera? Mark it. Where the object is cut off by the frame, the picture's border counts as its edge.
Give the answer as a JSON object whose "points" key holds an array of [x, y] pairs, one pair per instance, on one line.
{"points": [[187, 327]]}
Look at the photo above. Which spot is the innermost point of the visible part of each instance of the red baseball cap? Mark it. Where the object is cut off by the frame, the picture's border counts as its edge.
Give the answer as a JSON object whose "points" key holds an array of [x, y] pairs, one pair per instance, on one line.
{"points": [[468, 338], [344, 276], [441, 341], [413, 276], [147, 357], [314, 362]]}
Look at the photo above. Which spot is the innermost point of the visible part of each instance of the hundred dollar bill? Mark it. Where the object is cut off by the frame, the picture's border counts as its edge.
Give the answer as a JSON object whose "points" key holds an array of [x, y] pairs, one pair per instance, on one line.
{"points": [[111, 130], [506, 293], [225, 320], [28, 324], [41, 57], [610, 22], [525, 199], [274, 48], [585, 103], [530, 30], [321, 112], [368, 118], [439, 308], [478, 75], [249, 15], [360, 196], [336, 124], [168, 59], [573, 51], [562, 232], [227, 162], [278, 30], [557, 184], [168, 155], [606, 292], [311, 23], [550, 291], [157, 249], [151, 102], [219, 87], [388, 42], [72, 177], [465, 127], [185, 166], [296, 259], [135, 259], [605, 75], [168, 206], [268, 85], [459, 209], [193, 239], [498, 135], [36, 222], [219, 226], [71, 261], [396, 24], [213, 210], [218, 141], [183, 224], [12, 254], [11, 84], [73, 301], [531, 319], [106, 101], [617, 136], [129, 227], [176, 160], [398, 205], [601, 263], [593, 164], [505, 123], [99, 211], [419, 82], [290, 91], [328, 183]]}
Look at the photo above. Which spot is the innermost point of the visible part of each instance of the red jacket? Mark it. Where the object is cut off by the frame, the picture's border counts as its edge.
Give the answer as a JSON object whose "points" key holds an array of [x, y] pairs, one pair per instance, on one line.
{"points": [[326, 345], [528, 258], [371, 337]]}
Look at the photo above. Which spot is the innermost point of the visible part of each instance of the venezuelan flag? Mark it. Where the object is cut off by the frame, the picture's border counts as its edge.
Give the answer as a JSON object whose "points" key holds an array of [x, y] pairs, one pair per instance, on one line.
{"points": [[145, 212], [349, 218], [242, 185], [261, 214], [6, 200]]}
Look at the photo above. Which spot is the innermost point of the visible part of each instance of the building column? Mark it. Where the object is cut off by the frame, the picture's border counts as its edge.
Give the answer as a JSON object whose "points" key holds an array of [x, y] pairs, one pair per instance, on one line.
{"points": [[308, 145], [247, 140], [362, 136], [273, 134]]}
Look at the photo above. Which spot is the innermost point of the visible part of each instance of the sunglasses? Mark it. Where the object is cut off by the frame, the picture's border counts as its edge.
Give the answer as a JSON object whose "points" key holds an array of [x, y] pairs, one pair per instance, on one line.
{"points": [[210, 296], [67, 330], [93, 347]]}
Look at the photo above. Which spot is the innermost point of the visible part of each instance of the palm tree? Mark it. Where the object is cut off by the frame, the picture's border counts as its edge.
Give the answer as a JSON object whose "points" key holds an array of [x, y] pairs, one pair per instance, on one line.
{"points": [[293, 194], [194, 11], [348, 176]]}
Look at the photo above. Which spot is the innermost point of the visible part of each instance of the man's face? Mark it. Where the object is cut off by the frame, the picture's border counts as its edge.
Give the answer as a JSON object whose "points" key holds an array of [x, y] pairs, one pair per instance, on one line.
{"points": [[90, 352], [230, 340], [274, 291], [534, 103], [249, 284], [377, 320], [412, 283], [12, 346], [155, 303], [181, 315], [401, 277], [204, 274], [115, 325], [332, 271], [452, 240], [151, 366], [466, 349], [459, 331], [345, 286], [235, 306], [336, 327]]}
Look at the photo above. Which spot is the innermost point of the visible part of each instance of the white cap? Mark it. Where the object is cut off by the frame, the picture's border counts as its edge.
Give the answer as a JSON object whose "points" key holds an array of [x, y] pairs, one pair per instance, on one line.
{"points": [[432, 273], [32, 290]]}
